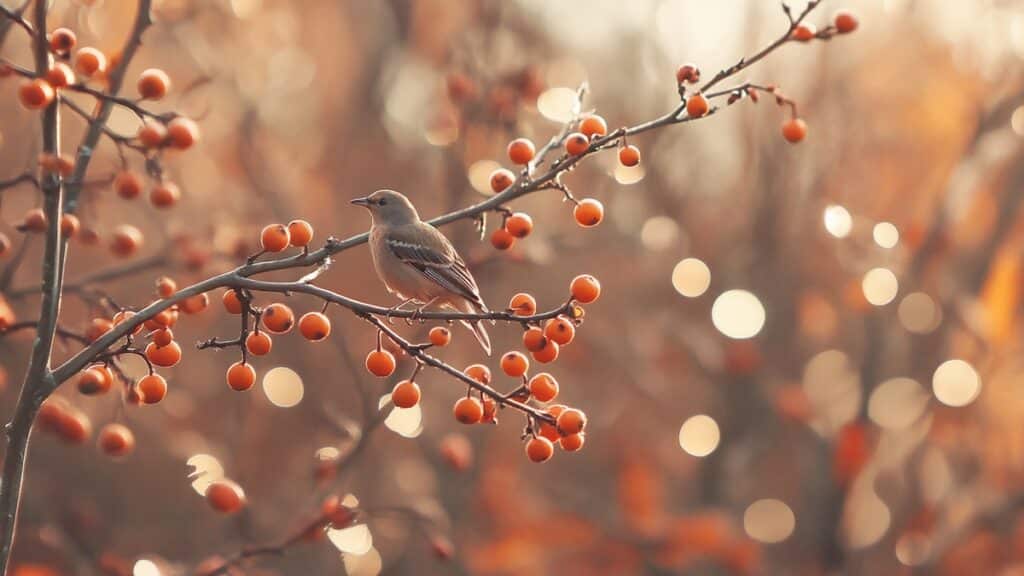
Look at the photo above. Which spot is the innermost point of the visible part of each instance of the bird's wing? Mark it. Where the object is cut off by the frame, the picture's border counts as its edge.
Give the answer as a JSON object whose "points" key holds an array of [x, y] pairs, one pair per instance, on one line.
{"points": [[423, 247]]}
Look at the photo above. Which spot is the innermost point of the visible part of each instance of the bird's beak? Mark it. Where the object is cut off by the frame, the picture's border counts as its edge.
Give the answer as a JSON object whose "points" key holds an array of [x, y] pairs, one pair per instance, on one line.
{"points": [[360, 201]]}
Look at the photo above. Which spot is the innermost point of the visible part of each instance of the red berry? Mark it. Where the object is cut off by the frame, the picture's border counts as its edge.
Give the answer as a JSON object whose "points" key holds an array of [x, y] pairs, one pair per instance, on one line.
{"points": [[629, 155], [519, 224], [521, 151]]}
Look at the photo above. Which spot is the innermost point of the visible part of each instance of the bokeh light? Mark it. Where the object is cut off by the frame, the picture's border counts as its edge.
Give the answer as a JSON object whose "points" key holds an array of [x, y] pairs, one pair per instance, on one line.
{"points": [[832, 385], [283, 387], [352, 540], [146, 567], [956, 383], [919, 313], [866, 517], [769, 521], [406, 422], [691, 277], [557, 104], [206, 470], [659, 233], [886, 235], [699, 435], [880, 286], [738, 314], [913, 548], [897, 403], [838, 221], [368, 564]]}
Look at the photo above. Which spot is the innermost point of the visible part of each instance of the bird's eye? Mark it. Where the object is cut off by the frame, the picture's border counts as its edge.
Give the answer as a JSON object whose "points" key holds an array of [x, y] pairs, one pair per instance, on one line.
{"points": [[382, 201]]}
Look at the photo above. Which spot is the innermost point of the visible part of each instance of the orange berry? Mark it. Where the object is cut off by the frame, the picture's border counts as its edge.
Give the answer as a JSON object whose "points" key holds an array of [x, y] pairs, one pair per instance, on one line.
{"points": [[314, 326], [593, 125], [74, 427], [521, 151], [548, 430], [182, 133], [514, 364], [97, 328], [60, 76], [543, 387], [258, 343], [589, 212], [688, 73], [460, 87], [123, 316], [278, 318], [576, 144], [519, 224], [479, 372], [337, 514], [152, 134], [95, 380], [164, 195], [794, 130], [90, 61], [523, 304], [125, 240], [547, 354], [804, 32], [490, 414], [152, 388], [440, 336], [501, 179], [62, 40], [116, 440], [534, 339], [163, 356], [572, 442], [153, 84], [232, 303], [629, 155], [166, 286], [163, 319], [380, 363], [69, 225], [406, 394], [456, 451], [539, 449], [845, 22], [300, 233], [127, 185], [502, 239], [35, 221], [225, 496], [241, 376], [195, 304], [585, 288], [560, 329], [36, 94], [468, 410], [697, 106], [163, 337], [275, 238], [571, 421]]}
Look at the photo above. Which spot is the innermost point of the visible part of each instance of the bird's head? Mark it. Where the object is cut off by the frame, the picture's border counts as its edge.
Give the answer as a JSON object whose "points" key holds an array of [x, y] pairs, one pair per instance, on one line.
{"points": [[389, 207]]}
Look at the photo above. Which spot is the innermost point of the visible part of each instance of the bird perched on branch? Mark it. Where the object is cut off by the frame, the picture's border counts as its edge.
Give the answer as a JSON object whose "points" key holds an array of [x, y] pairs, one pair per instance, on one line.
{"points": [[417, 263]]}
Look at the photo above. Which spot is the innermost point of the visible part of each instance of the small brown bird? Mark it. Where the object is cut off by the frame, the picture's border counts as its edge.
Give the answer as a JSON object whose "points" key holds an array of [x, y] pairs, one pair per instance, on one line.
{"points": [[417, 263]]}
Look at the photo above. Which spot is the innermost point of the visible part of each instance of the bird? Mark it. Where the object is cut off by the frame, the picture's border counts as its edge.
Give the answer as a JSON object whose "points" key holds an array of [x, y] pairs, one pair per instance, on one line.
{"points": [[418, 263]]}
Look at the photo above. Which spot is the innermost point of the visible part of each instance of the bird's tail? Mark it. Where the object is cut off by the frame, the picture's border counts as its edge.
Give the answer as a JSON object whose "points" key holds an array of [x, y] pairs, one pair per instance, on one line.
{"points": [[481, 335], [477, 327]]}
